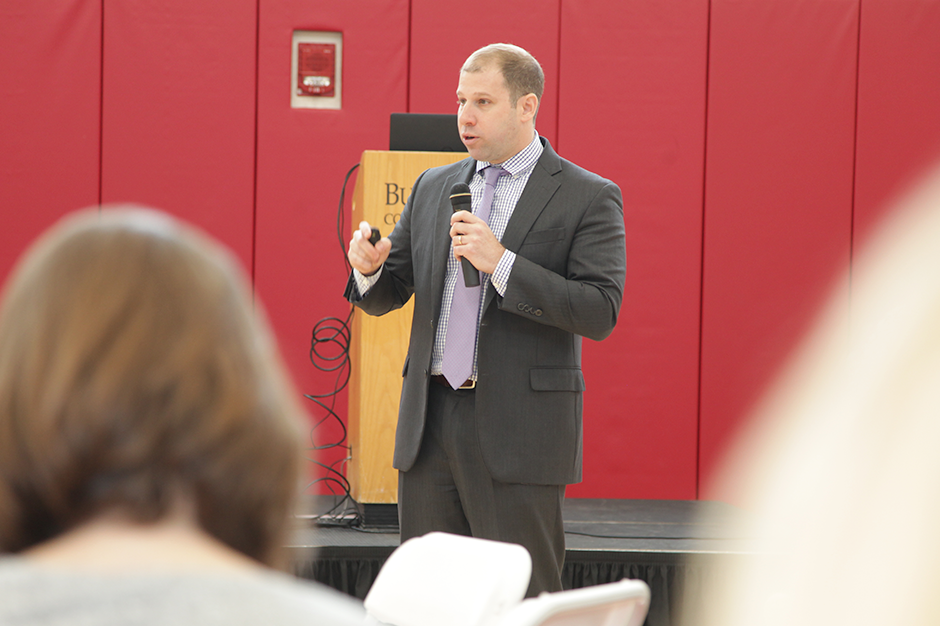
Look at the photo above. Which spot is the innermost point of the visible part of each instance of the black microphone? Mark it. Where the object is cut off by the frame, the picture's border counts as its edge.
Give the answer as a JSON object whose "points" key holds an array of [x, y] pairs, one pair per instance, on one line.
{"points": [[460, 200]]}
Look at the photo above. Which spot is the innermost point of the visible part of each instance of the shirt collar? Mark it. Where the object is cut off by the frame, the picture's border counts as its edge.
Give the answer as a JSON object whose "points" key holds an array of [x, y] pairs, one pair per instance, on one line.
{"points": [[523, 160]]}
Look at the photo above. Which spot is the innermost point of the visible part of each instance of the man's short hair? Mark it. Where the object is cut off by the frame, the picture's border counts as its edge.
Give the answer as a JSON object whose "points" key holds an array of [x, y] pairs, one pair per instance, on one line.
{"points": [[522, 73]]}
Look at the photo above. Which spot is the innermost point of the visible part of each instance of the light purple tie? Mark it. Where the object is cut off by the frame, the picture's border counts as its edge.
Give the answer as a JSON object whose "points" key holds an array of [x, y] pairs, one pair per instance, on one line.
{"points": [[461, 339]]}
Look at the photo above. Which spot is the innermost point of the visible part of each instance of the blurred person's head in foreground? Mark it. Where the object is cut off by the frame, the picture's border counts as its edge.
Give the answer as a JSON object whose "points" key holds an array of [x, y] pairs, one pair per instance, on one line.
{"points": [[839, 475], [138, 386]]}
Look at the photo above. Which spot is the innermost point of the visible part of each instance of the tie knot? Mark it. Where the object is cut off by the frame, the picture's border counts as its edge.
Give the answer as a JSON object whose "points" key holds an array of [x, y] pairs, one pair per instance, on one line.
{"points": [[492, 173]]}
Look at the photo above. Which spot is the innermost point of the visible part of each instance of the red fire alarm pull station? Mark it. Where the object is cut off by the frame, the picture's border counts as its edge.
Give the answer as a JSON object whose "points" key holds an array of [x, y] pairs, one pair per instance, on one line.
{"points": [[316, 69]]}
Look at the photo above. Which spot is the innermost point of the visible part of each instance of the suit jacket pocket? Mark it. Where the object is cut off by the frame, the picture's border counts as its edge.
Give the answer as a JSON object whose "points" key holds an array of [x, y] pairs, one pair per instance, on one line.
{"points": [[556, 379], [544, 236]]}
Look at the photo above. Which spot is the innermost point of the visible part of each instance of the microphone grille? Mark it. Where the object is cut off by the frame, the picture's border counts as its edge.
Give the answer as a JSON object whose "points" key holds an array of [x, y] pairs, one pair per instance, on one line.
{"points": [[458, 190]]}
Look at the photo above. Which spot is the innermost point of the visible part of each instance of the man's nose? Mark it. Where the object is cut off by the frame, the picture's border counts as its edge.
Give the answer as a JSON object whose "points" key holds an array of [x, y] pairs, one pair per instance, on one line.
{"points": [[464, 118]]}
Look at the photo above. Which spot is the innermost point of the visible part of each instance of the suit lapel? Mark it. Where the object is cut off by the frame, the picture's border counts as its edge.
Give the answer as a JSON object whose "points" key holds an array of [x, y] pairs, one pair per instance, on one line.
{"points": [[539, 190]]}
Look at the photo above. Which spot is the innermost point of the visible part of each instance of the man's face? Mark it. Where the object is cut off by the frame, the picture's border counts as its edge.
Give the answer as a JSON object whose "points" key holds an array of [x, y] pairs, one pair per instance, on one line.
{"points": [[491, 126]]}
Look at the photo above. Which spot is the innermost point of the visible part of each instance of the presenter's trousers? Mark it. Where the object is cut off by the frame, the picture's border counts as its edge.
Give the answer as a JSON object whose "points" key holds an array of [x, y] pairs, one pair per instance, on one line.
{"points": [[450, 489]]}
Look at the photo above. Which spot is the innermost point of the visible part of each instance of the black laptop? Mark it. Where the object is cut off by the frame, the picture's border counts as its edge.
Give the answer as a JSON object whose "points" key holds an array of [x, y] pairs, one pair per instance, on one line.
{"points": [[425, 132]]}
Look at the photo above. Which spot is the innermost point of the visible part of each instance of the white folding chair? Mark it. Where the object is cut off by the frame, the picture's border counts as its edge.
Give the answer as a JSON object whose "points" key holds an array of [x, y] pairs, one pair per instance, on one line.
{"points": [[448, 579], [623, 603]]}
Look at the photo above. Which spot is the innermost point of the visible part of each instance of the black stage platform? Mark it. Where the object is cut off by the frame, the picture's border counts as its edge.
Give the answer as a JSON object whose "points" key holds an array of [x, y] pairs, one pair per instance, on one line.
{"points": [[675, 546]]}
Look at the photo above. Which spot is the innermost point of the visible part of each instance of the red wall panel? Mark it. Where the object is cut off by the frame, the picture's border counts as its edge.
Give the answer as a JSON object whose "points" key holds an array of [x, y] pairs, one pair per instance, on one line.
{"points": [[444, 34], [898, 103], [632, 108], [303, 156], [778, 192], [179, 112], [625, 97], [50, 92]]}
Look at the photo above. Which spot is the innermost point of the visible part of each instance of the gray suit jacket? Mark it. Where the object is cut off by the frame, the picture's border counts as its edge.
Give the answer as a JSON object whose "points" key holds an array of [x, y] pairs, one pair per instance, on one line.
{"points": [[567, 282]]}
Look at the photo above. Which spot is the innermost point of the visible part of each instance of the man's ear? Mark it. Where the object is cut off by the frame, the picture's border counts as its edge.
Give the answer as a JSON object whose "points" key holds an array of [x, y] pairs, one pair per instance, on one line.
{"points": [[528, 106]]}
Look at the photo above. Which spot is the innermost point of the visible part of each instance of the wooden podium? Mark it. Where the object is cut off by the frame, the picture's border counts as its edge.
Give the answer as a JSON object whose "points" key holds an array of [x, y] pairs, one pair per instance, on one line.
{"points": [[379, 344]]}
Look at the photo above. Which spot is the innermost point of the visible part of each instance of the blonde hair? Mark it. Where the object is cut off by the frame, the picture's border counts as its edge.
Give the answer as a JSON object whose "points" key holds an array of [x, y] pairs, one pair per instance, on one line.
{"points": [[840, 475], [133, 372]]}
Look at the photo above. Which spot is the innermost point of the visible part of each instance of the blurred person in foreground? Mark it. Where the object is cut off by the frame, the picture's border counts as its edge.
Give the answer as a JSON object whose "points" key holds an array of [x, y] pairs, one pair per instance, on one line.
{"points": [[840, 473], [149, 438]]}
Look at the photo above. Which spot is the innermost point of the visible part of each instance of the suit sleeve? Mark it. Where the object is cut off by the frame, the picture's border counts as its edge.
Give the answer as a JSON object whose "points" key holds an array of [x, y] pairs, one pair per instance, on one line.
{"points": [[584, 297]]}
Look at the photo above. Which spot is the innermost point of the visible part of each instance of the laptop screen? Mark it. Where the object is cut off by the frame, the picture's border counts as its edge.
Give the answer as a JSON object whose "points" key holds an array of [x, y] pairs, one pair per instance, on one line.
{"points": [[425, 132]]}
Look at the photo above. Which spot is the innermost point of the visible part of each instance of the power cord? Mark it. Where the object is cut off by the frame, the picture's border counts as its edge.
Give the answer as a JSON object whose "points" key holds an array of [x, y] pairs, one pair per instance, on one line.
{"points": [[329, 352]]}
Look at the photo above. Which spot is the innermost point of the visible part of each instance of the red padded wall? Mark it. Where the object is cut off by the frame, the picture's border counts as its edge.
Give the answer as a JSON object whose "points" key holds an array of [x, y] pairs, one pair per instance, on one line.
{"points": [[179, 112], [632, 108], [50, 90], [778, 192], [186, 107], [898, 103], [443, 34], [303, 156]]}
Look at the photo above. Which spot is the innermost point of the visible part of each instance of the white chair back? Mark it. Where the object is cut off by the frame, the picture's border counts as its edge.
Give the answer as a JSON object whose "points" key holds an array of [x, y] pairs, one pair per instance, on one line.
{"points": [[623, 603], [448, 579]]}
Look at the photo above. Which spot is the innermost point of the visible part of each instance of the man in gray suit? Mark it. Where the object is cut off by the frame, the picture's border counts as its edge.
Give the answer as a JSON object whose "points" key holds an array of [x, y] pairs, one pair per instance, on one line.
{"points": [[490, 455]]}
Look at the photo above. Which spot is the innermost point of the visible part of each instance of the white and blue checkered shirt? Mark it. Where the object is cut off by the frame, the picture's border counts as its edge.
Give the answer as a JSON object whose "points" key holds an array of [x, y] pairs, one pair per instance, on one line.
{"points": [[508, 190]]}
